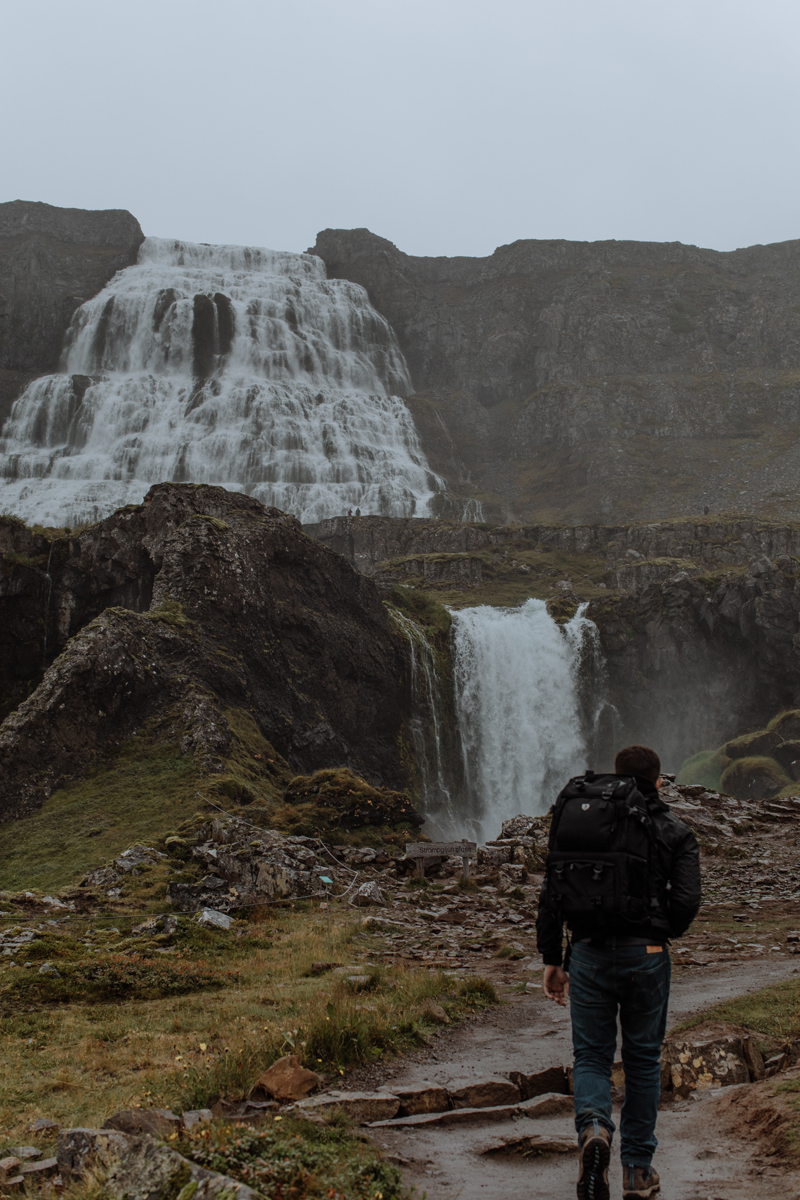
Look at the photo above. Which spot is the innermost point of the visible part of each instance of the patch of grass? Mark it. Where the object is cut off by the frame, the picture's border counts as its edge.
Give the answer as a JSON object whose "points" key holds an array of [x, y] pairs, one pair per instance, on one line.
{"points": [[77, 1062], [421, 607], [296, 1159], [143, 795], [774, 1011], [171, 613], [107, 977], [13, 559], [330, 801], [510, 952]]}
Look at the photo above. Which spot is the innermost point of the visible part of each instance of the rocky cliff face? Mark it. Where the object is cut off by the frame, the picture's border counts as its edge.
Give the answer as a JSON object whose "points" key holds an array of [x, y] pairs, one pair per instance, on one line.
{"points": [[699, 622], [51, 261], [583, 382], [168, 614]]}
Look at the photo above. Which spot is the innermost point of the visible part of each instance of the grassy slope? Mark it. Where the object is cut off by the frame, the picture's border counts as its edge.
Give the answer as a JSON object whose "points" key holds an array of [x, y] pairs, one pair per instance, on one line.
{"points": [[79, 1062]]}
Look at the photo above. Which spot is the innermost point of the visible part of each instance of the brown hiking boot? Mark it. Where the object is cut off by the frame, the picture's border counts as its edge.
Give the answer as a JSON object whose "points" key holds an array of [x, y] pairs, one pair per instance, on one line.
{"points": [[595, 1147], [638, 1183]]}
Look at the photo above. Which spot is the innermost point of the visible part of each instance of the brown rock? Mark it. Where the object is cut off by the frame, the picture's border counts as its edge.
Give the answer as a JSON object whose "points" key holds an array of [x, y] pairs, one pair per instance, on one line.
{"points": [[155, 1121], [530, 1145], [361, 1107], [553, 1079], [40, 1170], [754, 1059], [286, 1080], [14, 1183], [702, 1064], [8, 1167], [423, 1099], [489, 1093], [432, 1011], [553, 1105]]}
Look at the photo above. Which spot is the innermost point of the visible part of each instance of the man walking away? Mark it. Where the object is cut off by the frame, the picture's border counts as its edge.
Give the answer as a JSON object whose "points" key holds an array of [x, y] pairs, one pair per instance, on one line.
{"points": [[624, 874]]}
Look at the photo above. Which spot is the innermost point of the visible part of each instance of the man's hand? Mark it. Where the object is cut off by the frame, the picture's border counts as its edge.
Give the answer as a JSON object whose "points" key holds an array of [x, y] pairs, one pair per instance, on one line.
{"points": [[556, 984]]}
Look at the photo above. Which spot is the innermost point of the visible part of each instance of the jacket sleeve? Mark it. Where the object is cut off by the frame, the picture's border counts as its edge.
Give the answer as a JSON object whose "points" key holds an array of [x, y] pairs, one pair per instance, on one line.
{"points": [[685, 890], [548, 933]]}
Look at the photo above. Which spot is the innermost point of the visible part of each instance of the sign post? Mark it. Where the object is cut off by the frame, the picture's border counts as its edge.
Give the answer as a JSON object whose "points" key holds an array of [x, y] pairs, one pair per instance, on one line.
{"points": [[422, 850]]}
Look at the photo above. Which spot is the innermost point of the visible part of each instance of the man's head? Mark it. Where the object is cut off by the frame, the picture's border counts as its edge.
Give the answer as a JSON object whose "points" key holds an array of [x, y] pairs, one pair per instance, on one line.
{"points": [[638, 760]]}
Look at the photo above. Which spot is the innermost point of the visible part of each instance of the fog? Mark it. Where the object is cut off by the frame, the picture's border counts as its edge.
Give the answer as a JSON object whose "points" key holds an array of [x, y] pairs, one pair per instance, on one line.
{"points": [[448, 127]]}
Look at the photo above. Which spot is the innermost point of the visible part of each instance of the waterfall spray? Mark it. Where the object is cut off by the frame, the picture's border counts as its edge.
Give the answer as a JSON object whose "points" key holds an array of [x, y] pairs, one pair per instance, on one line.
{"points": [[525, 715], [227, 365]]}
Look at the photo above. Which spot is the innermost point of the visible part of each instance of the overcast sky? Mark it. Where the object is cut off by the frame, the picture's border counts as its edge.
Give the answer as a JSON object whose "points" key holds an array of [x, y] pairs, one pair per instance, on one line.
{"points": [[447, 126]]}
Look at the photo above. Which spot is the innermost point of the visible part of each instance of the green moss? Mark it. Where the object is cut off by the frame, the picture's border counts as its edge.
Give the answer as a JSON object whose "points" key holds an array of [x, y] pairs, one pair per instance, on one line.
{"points": [[170, 613], [787, 724], [561, 609], [331, 802], [754, 778], [705, 769], [763, 741], [421, 607], [12, 559], [215, 522]]}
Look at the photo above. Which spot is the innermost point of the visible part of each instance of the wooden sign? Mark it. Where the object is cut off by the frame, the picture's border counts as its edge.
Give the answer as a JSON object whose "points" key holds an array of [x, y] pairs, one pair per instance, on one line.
{"points": [[422, 850]]}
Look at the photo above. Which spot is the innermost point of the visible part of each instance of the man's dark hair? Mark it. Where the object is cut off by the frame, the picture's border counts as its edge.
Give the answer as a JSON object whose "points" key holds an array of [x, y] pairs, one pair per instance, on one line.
{"points": [[638, 760]]}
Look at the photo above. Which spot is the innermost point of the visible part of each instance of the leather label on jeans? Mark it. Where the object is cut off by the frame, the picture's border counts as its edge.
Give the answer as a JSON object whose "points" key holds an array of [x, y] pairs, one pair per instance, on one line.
{"points": [[654, 949]]}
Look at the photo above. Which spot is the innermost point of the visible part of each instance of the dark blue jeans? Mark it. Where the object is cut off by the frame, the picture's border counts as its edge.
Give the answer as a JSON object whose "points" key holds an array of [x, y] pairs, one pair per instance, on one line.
{"points": [[603, 981]]}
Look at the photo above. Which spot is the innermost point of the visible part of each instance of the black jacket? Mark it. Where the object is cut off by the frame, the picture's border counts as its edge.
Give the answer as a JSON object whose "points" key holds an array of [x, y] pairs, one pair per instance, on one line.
{"points": [[678, 884]]}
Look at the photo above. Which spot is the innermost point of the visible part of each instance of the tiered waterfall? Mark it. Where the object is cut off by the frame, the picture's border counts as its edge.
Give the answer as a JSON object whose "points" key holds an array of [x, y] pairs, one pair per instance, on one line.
{"points": [[220, 364]]}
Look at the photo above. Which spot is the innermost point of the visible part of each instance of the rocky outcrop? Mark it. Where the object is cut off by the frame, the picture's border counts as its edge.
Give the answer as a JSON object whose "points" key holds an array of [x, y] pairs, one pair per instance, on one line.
{"points": [[691, 660], [169, 612], [51, 261], [699, 621], [596, 381]]}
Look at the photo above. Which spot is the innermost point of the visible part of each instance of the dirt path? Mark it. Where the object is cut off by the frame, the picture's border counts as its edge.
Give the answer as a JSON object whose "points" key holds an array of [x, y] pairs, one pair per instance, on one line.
{"points": [[695, 1159]]}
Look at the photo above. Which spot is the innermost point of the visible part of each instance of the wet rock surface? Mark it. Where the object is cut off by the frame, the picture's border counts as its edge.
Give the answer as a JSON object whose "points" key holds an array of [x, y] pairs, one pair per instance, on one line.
{"points": [[51, 261], [197, 600]]}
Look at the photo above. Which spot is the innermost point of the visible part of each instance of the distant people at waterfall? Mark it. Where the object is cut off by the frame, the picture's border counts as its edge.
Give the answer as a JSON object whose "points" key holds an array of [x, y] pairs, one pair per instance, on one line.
{"points": [[358, 512], [349, 512], [624, 874]]}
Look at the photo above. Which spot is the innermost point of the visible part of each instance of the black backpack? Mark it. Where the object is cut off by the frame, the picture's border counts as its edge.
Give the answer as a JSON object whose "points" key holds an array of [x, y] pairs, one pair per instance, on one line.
{"points": [[599, 868]]}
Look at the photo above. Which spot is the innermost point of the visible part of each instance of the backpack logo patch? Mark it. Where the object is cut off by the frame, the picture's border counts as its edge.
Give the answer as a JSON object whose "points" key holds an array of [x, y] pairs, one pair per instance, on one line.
{"points": [[585, 807]]}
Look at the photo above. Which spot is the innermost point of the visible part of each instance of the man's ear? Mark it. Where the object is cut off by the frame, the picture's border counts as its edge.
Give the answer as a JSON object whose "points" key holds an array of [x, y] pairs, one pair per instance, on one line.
{"points": [[659, 782]]}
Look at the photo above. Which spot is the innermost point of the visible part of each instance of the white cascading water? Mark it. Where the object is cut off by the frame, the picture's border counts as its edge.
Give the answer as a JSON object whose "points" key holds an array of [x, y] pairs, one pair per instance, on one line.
{"points": [[523, 719], [227, 365]]}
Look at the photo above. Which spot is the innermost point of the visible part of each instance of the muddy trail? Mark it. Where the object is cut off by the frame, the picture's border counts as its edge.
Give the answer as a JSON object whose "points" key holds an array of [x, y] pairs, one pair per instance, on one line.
{"points": [[698, 1157], [713, 1145]]}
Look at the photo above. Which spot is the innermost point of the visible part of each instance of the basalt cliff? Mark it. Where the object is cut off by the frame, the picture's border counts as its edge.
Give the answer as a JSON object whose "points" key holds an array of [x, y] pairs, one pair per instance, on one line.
{"points": [[699, 622], [200, 620], [51, 261], [594, 382]]}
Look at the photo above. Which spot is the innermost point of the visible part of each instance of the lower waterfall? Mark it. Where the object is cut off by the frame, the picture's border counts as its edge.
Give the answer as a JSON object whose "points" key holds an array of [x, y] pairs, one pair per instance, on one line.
{"points": [[227, 365], [528, 696]]}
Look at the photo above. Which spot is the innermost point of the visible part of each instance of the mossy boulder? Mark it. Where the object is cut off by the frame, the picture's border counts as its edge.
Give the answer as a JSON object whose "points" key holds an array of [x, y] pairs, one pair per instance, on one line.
{"points": [[754, 778], [788, 753], [786, 724], [705, 769], [762, 742], [333, 800]]}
